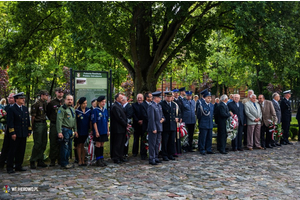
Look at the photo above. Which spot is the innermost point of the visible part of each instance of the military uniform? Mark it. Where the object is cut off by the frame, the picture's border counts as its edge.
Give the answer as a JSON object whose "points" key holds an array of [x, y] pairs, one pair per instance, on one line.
{"points": [[18, 123], [38, 111], [286, 118], [52, 109], [169, 128], [66, 124]]}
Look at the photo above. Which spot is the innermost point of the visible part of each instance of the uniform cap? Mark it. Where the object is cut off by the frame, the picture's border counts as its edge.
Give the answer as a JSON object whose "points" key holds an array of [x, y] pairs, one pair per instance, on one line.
{"points": [[287, 92], [203, 91], [81, 100], [168, 93], [100, 98], [188, 93], [20, 95], [59, 89], [93, 100], [182, 89], [44, 92], [206, 94], [156, 94]]}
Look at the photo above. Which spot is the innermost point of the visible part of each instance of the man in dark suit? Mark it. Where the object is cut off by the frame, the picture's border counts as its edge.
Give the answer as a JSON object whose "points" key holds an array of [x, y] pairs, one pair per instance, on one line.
{"points": [[129, 112], [237, 108], [222, 115], [5, 145], [276, 98], [118, 130], [286, 117], [169, 127], [18, 124], [155, 120], [138, 126], [144, 106], [181, 98]]}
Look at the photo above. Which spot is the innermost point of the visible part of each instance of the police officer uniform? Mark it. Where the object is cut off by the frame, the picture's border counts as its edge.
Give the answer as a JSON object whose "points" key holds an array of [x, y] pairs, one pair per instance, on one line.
{"points": [[18, 124], [66, 124], [52, 109], [155, 115], [286, 118], [189, 118], [205, 114], [169, 128], [38, 111]]}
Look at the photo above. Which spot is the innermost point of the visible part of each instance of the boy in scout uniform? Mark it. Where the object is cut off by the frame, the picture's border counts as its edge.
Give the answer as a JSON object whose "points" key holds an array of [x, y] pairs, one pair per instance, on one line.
{"points": [[18, 124], [65, 125], [52, 109], [38, 122]]}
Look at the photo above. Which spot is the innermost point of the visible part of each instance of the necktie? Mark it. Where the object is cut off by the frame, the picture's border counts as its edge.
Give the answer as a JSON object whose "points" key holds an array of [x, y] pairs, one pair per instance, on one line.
{"points": [[237, 104], [255, 106], [170, 104], [72, 112]]}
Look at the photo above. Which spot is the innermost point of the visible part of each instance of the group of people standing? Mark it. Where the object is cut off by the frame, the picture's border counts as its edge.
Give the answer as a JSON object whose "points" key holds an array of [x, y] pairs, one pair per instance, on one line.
{"points": [[149, 115]]}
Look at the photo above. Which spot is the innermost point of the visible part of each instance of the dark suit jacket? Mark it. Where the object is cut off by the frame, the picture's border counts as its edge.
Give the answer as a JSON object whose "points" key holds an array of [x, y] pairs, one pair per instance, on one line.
{"points": [[222, 115], [170, 114], [18, 121], [128, 111], [118, 119], [278, 111], [155, 114], [137, 114], [286, 111], [144, 108], [239, 111]]}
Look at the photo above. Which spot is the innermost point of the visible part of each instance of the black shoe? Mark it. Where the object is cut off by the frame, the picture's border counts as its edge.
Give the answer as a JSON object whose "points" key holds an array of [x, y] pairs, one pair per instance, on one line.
{"points": [[165, 158], [171, 158], [269, 146], [223, 152], [210, 152], [143, 157], [32, 165], [117, 161], [191, 150], [240, 149], [283, 143], [41, 164], [289, 143], [10, 171], [233, 149], [273, 145], [158, 161], [152, 163], [202, 153], [175, 156], [1, 165], [124, 160], [20, 169], [52, 164], [134, 155], [277, 144]]}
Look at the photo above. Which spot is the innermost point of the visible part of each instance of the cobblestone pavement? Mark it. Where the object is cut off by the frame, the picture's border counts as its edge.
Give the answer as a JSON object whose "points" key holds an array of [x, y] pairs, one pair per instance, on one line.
{"points": [[259, 174]]}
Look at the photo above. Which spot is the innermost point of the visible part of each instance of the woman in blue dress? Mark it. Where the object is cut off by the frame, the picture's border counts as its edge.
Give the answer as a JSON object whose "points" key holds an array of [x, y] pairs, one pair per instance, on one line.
{"points": [[83, 118], [100, 122]]}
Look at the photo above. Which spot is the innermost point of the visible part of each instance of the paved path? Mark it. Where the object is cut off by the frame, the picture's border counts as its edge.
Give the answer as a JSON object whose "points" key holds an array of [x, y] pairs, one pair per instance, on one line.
{"points": [[258, 174]]}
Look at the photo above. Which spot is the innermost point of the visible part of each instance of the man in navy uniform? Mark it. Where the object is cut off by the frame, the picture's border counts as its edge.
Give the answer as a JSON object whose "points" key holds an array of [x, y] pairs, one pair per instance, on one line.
{"points": [[5, 145], [155, 120], [176, 96], [286, 117], [169, 127], [237, 108], [18, 124], [189, 117], [205, 115], [201, 99]]}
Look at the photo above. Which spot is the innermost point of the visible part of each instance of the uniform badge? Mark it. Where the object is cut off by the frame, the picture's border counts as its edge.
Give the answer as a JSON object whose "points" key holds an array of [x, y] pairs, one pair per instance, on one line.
{"points": [[81, 117], [68, 116], [59, 111], [100, 114]]}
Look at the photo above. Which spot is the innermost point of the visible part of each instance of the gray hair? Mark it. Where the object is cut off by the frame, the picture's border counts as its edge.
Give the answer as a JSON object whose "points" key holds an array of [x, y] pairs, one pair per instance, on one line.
{"points": [[124, 98], [237, 95], [69, 95], [252, 95], [274, 95], [251, 91], [223, 97], [139, 94]]}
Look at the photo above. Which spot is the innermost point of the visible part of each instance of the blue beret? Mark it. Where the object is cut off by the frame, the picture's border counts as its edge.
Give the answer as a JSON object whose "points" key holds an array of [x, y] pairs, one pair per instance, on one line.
{"points": [[189, 93]]}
